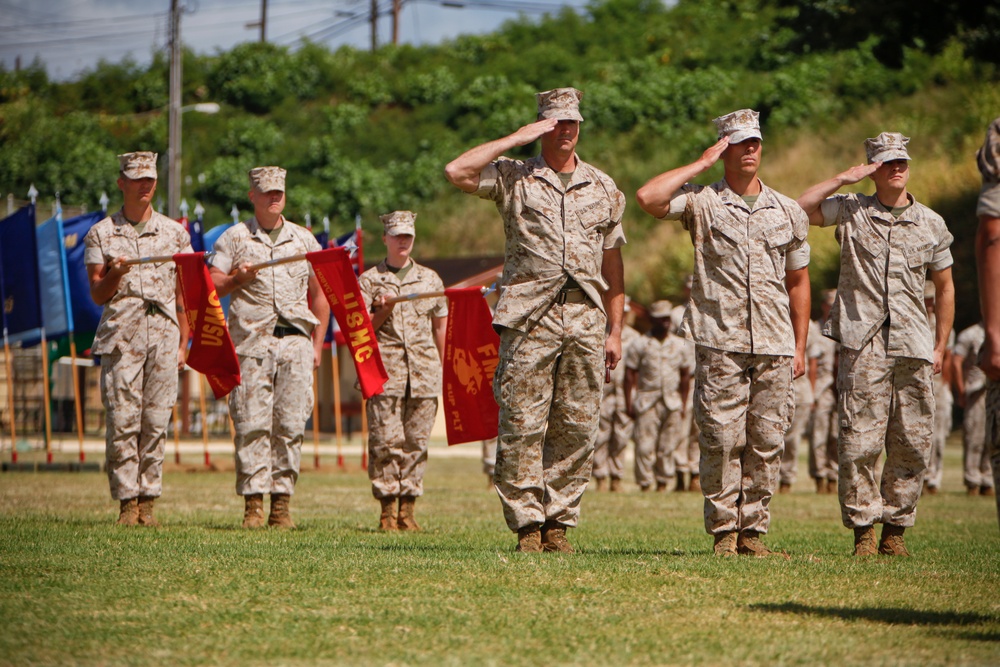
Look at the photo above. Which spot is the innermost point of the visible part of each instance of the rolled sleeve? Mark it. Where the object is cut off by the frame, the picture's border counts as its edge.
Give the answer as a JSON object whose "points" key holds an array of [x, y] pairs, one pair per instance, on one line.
{"points": [[989, 201], [798, 258], [488, 179], [678, 204], [832, 210], [222, 259]]}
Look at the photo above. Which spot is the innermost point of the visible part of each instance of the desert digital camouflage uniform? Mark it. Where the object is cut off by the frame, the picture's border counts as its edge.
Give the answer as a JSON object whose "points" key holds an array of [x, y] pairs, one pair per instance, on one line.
{"points": [[138, 339], [271, 327], [739, 318], [825, 433], [615, 428], [687, 453], [402, 416], [802, 388], [551, 359], [943, 404], [886, 355], [657, 405], [977, 473]]}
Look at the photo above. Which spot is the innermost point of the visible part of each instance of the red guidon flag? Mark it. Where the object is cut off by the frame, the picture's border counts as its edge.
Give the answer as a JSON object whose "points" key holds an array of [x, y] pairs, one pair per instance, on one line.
{"points": [[336, 277], [212, 351], [470, 360]]}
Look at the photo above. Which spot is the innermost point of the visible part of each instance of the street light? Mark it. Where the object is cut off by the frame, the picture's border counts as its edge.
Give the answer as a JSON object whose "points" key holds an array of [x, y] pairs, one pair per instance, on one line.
{"points": [[174, 153]]}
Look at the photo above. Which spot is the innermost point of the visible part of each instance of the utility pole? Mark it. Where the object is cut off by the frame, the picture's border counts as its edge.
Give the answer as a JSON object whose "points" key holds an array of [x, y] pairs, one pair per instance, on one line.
{"points": [[396, 6], [174, 130], [374, 25], [263, 20]]}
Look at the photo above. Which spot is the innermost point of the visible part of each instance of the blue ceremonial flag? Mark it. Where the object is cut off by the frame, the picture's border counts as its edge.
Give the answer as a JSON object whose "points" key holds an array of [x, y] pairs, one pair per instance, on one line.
{"points": [[86, 313], [213, 234], [196, 228], [57, 311], [22, 311]]}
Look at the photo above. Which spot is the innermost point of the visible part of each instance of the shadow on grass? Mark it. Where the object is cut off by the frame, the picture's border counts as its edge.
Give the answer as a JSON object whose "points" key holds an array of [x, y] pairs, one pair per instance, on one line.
{"points": [[891, 616]]}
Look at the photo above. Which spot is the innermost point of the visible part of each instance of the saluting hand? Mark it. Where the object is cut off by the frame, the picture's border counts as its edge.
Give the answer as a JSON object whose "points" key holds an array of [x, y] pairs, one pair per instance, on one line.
{"points": [[858, 173], [714, 152], [529, 133]]}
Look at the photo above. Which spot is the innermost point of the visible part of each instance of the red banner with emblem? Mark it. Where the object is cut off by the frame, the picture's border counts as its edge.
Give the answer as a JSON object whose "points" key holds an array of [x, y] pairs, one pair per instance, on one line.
{"points": [[212, 351], [470, 360], [336, 278]]}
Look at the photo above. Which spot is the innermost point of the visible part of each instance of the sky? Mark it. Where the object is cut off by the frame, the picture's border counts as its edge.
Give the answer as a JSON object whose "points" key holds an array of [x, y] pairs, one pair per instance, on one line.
{"points": [[70, 36]]}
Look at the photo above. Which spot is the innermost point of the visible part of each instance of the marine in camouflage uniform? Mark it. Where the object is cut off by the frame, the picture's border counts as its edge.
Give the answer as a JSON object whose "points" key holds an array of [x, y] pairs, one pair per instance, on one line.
{"points": [[824, 435], [988, 267], [616, 427], [803, 388], [748, 316], [943, 403], [657, 374], [687, 453], [559, 314], [277, 318], [970, 385], [888, 353], [411, 341], [141, 338]]}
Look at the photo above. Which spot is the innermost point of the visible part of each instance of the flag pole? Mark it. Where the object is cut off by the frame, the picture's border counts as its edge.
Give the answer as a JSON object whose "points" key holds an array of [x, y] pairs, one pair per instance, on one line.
{"points": [[10, 396], [77, 403], [204, 419], [177, 436], [336, 401], [276, 262], [46, 396], [364, 434], [316, 419], [155, 259]]}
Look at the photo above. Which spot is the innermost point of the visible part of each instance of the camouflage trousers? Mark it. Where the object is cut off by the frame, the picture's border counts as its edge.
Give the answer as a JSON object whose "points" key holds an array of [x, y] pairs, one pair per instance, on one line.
{"points": [[687, 452], [993, 433], [548, 386], [743, 406], [656, 435], [399, 427], [943, 403], [139, 390], [977, 471], [824, 437], [269, 410], [801, 415], [885, 403], [613, 433]]}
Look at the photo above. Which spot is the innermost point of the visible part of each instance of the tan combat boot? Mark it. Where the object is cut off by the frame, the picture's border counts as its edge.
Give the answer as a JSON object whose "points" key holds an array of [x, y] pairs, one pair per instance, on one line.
{"points": [[616, 485], [406, 520], [598, 484], [784, 487], [680, 482], [987, 491], [725, 544], [864, 541], [280, 517], [892, 543], [831, 487], [253, 511], [529, 540], [695, 484], [554, 538], [749, 544], [128, 513], [820, 485], [388, 519], [146, 517]]}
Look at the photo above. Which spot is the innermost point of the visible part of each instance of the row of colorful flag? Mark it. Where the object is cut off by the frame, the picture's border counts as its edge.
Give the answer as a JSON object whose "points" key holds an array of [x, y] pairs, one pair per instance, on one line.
{"points": [[46, 296]]}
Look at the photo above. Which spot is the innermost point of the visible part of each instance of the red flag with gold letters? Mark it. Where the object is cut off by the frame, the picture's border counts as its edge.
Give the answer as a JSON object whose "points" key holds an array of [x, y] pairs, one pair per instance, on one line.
{"points": [[470, 360], [336, 277], [212, 351]]}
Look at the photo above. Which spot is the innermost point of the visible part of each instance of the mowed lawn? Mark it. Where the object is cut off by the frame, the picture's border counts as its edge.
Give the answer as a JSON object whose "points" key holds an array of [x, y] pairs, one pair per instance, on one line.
{"points": [[643, 588]]}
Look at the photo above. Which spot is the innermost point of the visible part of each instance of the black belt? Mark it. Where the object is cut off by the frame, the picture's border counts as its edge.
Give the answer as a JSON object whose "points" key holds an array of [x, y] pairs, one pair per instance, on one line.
{"points": [[571, 295], [281, 332]]}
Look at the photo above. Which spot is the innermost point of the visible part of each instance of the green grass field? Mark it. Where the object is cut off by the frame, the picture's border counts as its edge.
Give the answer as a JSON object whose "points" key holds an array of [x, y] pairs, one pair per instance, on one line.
{"points": [[643, 588]]}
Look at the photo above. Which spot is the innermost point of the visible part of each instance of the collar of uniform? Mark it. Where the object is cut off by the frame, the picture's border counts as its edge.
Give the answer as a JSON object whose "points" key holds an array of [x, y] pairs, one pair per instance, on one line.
{"points": [[541, 169], [764, 200], [383, 268], [877, 210], [253, 226], [124, 228]]}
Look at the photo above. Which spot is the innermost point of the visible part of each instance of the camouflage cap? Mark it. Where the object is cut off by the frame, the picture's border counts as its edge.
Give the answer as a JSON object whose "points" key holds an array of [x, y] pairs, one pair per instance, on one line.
{"points": [[887, 146], [267, 179], [739, 125], [141, 164], [560, 103], [661, 309], [399, 222]]}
